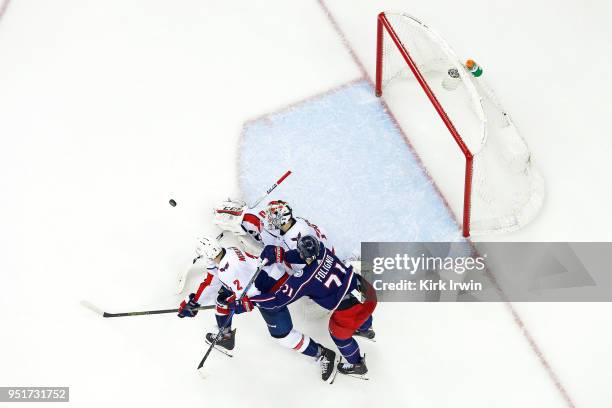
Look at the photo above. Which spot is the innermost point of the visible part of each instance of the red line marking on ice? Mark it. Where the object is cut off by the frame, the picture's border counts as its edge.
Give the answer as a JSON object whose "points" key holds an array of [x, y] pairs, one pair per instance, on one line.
{"points": [[3, 7], [282, 109], [287, 107], [538, 352], [517, 319], [344, 40]]}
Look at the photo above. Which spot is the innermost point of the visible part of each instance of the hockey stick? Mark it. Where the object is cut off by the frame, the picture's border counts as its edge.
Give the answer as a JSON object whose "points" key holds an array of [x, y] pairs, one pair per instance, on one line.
{"points": [[94, 309], [229, 317], [268, 191]]}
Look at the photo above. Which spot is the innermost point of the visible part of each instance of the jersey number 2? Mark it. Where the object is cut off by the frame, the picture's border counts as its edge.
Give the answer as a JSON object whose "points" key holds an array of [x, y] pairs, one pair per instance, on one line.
{"points": [[237, 284]]}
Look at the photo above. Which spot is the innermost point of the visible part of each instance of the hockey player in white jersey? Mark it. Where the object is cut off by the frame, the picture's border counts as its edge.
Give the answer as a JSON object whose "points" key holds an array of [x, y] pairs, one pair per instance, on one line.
{"points": [[274, 225], [234, 268], [281, 228]]}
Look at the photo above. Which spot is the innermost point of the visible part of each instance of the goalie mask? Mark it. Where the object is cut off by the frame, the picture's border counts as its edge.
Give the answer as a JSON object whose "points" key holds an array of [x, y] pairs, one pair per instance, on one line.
{"points": [[278, 213], [208, 247]]}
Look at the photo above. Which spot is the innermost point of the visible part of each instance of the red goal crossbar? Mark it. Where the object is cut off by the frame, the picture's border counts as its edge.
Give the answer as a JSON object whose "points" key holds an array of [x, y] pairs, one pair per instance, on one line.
{"points": [[385, 25]]}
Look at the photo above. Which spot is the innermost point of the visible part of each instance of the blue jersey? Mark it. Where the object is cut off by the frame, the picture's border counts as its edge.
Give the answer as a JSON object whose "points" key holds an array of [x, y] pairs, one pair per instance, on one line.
{"points": [[327, 281]]}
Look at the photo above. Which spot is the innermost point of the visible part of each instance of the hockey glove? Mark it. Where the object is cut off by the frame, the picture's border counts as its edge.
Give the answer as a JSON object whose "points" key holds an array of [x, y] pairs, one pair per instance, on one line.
{"points": [[190, 308], [273, 254], [241, 306]]}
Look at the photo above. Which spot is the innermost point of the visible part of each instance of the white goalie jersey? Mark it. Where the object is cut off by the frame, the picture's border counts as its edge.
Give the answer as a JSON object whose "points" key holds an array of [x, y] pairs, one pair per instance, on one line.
{"points": [[254, 231], [255, 226]]}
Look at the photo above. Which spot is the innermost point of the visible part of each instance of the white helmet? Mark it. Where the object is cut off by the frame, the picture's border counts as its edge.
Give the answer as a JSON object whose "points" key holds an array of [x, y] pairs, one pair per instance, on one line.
{"points": [[278, 213], [208, 247]]}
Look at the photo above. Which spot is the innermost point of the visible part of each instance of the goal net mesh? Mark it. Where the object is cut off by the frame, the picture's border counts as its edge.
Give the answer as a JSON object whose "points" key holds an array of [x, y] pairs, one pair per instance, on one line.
{"points": [[504, 191]]}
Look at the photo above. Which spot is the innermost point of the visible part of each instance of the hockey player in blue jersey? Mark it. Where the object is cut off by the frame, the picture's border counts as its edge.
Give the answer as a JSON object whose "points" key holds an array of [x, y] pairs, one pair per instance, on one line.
{"points": [[330, 284]]}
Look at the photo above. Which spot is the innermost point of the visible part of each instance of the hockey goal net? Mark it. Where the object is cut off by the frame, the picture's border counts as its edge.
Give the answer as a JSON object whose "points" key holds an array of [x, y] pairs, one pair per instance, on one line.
{"points": [[501, 189]]}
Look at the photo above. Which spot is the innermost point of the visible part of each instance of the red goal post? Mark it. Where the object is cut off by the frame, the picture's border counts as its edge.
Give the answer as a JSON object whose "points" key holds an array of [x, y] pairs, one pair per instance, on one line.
{"points": [[407, 49]]}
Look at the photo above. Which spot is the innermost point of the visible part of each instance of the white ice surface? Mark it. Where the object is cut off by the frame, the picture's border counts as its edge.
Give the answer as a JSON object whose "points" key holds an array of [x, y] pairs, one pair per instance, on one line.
{"points": [[108, 109]]}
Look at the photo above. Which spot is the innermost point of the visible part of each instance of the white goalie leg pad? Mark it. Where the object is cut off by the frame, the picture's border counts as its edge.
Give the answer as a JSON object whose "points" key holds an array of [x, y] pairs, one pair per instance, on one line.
{"points": [[295, 340]]}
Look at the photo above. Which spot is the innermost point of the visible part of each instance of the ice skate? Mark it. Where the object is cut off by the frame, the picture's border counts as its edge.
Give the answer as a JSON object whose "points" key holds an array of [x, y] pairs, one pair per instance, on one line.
{"points": [[368, 334], [358, 370], [225, 343], [327, 361]]}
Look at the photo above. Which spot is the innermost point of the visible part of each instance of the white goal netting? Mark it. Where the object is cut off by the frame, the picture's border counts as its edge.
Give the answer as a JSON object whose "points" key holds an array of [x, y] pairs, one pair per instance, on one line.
{"points": [[506, 190]]}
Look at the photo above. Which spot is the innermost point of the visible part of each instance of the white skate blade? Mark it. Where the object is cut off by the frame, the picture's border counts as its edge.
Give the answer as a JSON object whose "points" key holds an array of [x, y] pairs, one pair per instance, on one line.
{"points": [[332, 377], [358, 376]]}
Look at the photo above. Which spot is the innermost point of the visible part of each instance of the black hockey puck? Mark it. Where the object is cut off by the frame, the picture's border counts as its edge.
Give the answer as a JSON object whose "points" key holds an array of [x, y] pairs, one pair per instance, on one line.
{"points": [[172, 202]]}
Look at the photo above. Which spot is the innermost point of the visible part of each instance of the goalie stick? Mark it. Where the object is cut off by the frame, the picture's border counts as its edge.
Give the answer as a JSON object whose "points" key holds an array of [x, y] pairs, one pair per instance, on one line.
{"points": [[272, 188], [102, 313]]}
